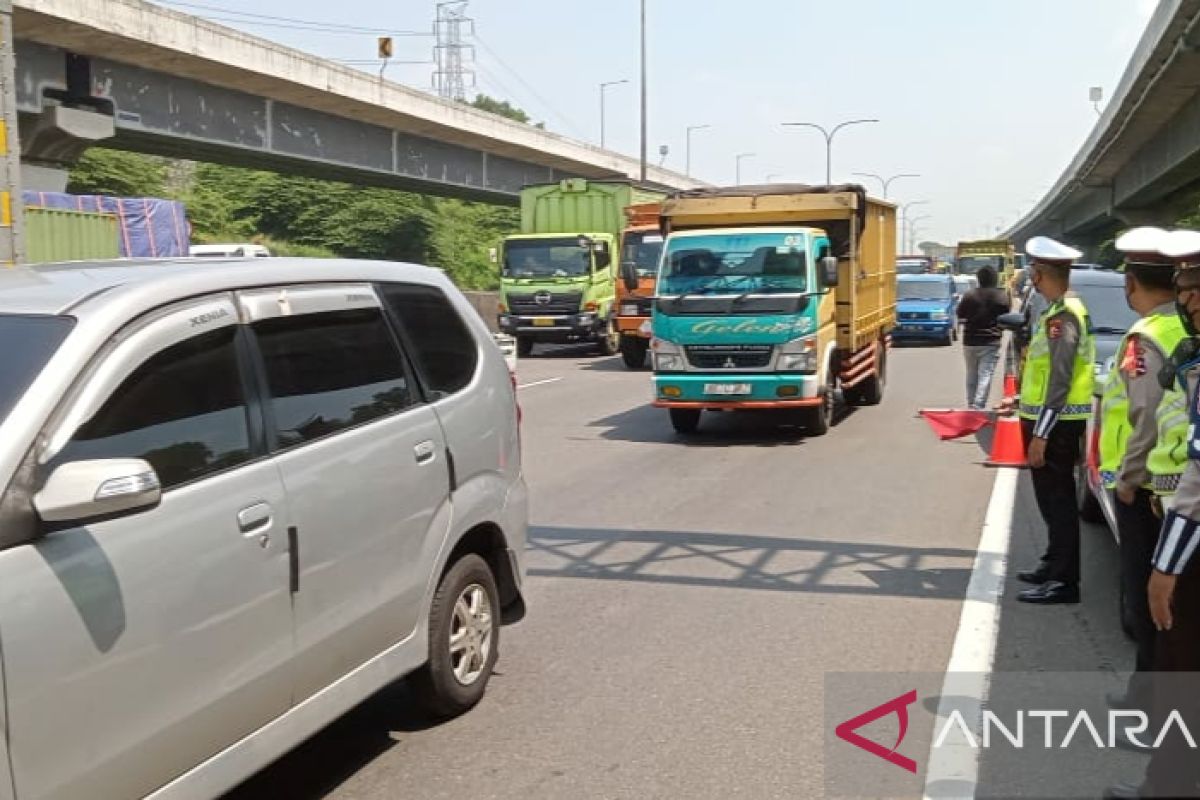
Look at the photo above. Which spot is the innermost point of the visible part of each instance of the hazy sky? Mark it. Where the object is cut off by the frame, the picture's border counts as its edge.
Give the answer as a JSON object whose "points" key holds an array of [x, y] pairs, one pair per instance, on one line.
{"points": [[986, 99]]}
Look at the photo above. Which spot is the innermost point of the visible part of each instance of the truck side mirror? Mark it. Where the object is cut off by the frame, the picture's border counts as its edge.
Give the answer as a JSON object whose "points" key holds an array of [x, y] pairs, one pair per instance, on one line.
{"points": [[603, 257], [629, 275], [1013, 321], [829, 272]]}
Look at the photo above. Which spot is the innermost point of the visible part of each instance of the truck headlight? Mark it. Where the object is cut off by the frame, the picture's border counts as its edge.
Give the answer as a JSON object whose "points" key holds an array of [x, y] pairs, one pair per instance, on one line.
{"points": [[630, 310], [941, 316], [798, 355], [668, 357]]}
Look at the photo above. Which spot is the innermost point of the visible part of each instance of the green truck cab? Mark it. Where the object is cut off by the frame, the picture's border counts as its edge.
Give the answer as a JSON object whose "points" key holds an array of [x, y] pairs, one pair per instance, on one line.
{"points": [[558, 276]]}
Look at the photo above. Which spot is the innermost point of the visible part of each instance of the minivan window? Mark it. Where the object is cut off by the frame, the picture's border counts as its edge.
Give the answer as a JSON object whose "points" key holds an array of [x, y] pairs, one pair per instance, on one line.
{"points": [[446, 352], [183, 410], [30, 342], [330, 371]]}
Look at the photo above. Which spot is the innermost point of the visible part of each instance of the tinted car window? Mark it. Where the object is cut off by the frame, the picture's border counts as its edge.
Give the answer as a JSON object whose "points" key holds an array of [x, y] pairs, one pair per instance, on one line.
{"points": [[39, 338], [183, 410], [1107, 307], [330, 371], [446, 352]]}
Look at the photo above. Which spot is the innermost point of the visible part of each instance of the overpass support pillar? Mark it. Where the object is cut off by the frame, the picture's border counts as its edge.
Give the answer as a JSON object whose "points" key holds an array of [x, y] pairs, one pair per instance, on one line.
{"points": [[53, 141]]}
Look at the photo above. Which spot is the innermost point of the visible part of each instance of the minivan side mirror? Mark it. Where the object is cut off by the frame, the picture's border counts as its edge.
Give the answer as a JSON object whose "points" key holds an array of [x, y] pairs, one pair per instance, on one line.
{"points": [[1012, 321], [629, 275], [82, 490], [829, 272]]}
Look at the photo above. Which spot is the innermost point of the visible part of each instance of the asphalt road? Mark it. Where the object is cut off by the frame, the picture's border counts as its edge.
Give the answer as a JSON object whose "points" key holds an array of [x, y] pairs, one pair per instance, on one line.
{"points": [[687, 597]]}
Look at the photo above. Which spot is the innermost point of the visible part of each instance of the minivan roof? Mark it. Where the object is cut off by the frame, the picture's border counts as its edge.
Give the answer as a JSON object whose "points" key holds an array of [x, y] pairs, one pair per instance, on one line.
{"points": [[75, 287]]}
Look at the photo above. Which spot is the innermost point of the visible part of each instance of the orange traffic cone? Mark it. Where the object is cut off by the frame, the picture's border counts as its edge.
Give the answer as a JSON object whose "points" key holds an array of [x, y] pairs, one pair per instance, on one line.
{"points": [[1010, 385], [1008, 444]]}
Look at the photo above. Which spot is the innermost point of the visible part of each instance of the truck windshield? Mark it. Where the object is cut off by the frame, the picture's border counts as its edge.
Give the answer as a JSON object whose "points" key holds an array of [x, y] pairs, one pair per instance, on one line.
{"points": [[36, 339], [543, 258], [913, 266], [735, 263], [923, 290], [969, 265], [643, 248]]}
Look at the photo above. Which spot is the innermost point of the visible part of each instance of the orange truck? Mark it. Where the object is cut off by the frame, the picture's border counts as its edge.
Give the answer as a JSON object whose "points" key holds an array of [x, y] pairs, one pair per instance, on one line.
{"points": [[641, 245]]}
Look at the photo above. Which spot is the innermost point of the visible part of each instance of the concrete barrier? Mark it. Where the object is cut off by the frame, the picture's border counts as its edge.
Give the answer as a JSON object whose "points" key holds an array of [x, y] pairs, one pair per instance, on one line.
{"points": [[488, 306]]}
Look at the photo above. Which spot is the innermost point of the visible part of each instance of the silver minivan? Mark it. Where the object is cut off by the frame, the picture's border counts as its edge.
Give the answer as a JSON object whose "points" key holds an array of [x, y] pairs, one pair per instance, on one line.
{"points": [[238, 500]]}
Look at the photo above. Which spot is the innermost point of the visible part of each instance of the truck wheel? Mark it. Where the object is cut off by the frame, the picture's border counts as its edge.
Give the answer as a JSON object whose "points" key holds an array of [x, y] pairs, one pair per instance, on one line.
{"points": [[820, 419], [524, 347], [610, 340], [464, 639], [870, 391], [633, 351], [685, 420]]}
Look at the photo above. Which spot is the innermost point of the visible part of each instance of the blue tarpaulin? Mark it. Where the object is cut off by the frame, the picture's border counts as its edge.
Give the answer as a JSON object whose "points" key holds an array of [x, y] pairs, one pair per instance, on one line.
{"points": [[149, 227]]}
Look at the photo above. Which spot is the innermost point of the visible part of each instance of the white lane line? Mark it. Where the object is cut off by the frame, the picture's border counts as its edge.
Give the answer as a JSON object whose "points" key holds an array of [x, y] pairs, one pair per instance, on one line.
{"points": [[538, 383], [968, 675]]}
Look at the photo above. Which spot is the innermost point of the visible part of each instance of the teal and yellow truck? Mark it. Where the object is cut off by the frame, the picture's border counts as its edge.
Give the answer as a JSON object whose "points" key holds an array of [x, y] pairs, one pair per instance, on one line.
{"points": [[558, 276], [776, 297]]}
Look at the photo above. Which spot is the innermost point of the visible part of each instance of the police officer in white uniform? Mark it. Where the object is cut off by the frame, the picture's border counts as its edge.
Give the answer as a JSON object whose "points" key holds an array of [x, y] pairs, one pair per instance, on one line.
{"points": [[1129, 432], [1055, 402]]}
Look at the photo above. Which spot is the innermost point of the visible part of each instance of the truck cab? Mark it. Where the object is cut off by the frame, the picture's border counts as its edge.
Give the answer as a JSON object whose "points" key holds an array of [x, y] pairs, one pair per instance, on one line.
{"points": [[641, 248], [558, 288]]}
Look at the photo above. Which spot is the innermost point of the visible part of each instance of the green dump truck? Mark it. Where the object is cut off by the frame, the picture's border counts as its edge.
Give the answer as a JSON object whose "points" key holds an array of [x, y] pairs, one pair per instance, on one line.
{"points": [[558, 276]]}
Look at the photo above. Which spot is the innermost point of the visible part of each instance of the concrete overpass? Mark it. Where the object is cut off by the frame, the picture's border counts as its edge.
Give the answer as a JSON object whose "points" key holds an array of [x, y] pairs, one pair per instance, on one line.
{"points": [[133, 75], [1141, 164]]}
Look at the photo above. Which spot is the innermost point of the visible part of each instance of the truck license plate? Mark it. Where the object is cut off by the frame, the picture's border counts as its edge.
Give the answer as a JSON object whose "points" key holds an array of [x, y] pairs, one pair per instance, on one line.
{"points": [[727, 388], [543, 322]]}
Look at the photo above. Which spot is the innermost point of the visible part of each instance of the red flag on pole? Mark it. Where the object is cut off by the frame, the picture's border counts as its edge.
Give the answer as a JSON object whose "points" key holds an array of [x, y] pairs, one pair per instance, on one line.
{"points": [[950, 423]]}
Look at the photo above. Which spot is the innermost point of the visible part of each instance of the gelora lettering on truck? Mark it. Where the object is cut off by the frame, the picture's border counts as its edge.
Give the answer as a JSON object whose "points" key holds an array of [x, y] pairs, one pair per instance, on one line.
{"points": [[779, 298], [558, 276]]}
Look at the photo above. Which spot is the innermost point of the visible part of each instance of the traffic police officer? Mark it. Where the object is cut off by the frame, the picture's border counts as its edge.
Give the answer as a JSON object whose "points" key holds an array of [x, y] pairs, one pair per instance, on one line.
{"points": [[1174, 587], [1129, 432], [1056, 399]]}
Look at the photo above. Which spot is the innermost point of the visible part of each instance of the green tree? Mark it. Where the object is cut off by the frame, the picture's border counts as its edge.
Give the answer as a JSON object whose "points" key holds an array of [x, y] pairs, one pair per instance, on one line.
{"points": [[119, 174], [503, 108]]}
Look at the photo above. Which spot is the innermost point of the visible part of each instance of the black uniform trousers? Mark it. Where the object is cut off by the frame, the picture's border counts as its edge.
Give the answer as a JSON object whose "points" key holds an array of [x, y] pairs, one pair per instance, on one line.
{"points": [[1174, 769], [1138, 527], [1054, 488]]}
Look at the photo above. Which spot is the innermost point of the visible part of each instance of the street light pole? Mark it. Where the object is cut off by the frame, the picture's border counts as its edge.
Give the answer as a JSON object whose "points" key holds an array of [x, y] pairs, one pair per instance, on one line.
{"points": [[643, 163], [829, 134], [912, 231], [738, 160], [886, 182], [687, 170], [604, 86], [904, 222]]}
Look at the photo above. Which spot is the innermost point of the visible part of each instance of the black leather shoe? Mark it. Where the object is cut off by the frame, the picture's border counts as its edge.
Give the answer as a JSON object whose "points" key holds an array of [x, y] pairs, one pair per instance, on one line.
{"points": [[1050, 593], [1123, 791], [1122, 740], [1035, 576]]}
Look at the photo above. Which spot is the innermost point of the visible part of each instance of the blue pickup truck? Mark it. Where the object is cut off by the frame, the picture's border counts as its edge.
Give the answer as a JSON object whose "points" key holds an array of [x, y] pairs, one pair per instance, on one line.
{"points": [[925, 306]]}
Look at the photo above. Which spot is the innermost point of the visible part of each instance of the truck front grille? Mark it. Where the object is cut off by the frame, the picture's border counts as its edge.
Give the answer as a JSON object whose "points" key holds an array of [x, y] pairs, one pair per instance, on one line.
{"points": [[743, 356], [551, 303]]}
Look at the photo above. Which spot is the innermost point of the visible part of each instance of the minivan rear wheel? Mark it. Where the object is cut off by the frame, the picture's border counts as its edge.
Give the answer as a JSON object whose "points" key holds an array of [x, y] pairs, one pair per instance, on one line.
{"points": [[464, 639]]}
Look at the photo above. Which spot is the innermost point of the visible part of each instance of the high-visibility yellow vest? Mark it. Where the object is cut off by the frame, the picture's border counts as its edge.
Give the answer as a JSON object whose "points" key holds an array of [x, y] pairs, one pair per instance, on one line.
{"points": [[1170, 453], [1165, 331], [1035, 377]]}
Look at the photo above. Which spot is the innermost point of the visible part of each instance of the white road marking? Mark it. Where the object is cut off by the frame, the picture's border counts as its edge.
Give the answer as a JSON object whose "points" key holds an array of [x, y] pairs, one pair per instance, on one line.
{"points": [[968, 675], [538, 383]]}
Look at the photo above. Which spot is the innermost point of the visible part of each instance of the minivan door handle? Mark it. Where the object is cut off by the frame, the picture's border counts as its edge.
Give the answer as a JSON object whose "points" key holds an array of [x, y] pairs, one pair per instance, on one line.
{"points": [[254, 518], [425, 452]]}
